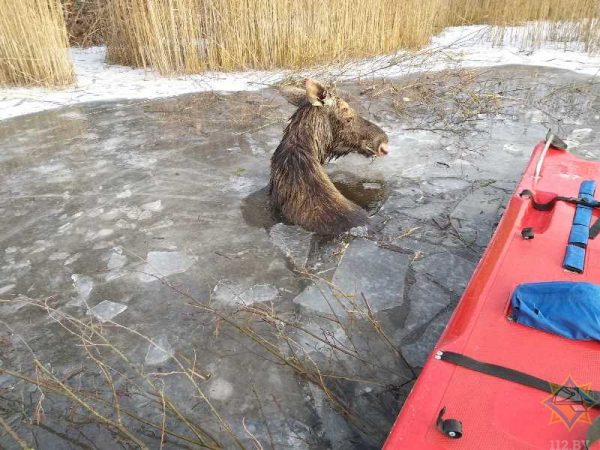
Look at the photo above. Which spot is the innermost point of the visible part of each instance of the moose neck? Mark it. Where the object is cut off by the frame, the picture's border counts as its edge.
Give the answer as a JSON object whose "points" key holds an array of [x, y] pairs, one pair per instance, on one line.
{"points": [[310, 131]]}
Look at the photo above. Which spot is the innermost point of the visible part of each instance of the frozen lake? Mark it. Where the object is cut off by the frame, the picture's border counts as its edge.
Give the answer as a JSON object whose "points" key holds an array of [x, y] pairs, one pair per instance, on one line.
{"points": [[147, 293]]}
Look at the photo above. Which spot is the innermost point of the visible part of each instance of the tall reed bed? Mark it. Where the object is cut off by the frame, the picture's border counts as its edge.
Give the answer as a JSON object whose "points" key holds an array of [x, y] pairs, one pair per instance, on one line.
{"points": [[34, 44], [548, 20], [192, 35], [165, 35], [187, 36], [512, 12]]}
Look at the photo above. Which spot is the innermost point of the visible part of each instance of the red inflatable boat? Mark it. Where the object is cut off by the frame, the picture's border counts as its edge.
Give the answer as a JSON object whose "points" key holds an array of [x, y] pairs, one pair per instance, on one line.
{"points": [[478, 388]]}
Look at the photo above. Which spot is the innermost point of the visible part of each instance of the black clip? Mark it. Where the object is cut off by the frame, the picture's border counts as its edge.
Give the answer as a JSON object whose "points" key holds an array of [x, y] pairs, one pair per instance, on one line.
{"points": [[556, 142], [450, 427], [527, 233]]}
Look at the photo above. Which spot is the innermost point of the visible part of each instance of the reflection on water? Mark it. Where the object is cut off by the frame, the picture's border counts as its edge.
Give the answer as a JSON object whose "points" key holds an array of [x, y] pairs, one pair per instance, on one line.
{"points": [[369, 194]]}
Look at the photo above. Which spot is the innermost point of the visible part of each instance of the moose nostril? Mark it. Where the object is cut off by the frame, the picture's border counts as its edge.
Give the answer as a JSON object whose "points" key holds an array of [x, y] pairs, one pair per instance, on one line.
{"points": [[383, 149]]}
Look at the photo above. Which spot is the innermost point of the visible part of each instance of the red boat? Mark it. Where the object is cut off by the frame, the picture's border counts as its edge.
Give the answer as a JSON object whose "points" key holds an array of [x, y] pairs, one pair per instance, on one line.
{"points": [[472, 401]]}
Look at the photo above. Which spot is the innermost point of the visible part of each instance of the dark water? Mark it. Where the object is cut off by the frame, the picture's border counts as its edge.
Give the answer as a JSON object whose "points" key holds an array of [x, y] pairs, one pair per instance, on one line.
{"points": [[369, 194]]}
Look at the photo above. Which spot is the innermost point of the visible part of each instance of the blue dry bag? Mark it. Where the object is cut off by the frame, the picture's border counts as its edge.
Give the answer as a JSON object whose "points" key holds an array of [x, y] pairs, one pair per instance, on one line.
{"points": [[568, 309]]}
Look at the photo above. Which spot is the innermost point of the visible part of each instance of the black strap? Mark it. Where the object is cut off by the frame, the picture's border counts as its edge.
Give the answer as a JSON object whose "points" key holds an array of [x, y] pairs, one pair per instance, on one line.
{"points": [[595, 229], [593, 433], [450, 427], [590, 398], [559, 198]]}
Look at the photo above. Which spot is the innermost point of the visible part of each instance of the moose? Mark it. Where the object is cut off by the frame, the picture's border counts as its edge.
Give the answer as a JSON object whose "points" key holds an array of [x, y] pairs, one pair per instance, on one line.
{"points": [[323, 128]]}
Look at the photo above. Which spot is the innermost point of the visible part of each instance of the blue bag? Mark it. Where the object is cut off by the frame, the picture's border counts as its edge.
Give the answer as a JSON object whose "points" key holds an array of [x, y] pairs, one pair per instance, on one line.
{"points": [[569, 309]]}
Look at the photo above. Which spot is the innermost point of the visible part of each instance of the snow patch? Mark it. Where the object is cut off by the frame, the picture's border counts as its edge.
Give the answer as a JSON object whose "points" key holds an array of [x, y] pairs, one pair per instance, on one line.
{"points": [[455, 47]]}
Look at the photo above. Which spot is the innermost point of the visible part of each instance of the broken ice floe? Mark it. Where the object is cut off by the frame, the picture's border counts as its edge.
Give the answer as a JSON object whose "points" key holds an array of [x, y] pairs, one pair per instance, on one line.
{"points": [[293, 241], [7, 288], [366, 269], [159, 352], [153, 206], [227, 292], [163, 264], [107, 310], [83, 286], [117, 259]]}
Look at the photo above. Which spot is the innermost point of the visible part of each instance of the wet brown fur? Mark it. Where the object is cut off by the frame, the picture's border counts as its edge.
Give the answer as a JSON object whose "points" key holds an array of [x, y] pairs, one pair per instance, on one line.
{"points": [[299, 186]]}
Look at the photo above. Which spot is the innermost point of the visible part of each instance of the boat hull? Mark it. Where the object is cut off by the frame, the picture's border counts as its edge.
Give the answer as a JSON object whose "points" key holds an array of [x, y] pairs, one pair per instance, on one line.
{"points": [[495, 413]]}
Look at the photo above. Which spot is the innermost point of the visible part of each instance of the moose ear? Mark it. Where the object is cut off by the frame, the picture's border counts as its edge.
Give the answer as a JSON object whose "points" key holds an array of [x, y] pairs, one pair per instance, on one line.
{"points": [[295, 95], [316, 93]]}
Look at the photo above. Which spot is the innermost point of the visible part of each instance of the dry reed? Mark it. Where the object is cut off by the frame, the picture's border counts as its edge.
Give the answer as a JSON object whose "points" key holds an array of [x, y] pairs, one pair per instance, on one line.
{"points": [[512, 12], [109, 402], [546, 20], [86, 21], [33, 44], [191, 36], [186, 36]]}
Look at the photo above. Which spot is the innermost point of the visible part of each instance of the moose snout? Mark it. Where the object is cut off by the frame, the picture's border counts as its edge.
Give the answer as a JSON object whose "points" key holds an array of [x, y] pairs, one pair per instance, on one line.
{"points": [[383, 149]]}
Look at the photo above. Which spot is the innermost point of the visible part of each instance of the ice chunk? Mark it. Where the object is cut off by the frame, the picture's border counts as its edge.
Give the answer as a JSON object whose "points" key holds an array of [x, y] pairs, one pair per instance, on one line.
{"points": [[145, 215], [153, 206], [361, 231], [104, 232], [83, 285], [427, 300], [336, 429], [125, 194], [294, 241], [582, 134], [58, 256], [227, 292], [423, 212], [416, 353], [440, 185], [124, 224], [448, 270], [513, 149], [7, 288], [107, 310], [72, 259], [163, 264], [261, 293], [366, 269], [117, 259], [320, 335], [159, 352], [320, 296], [475, 216]]}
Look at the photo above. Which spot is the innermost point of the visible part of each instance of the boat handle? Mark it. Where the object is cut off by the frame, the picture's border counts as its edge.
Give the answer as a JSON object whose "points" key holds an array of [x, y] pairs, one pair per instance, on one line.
{"points": [[540, 162], [551, 140]]}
